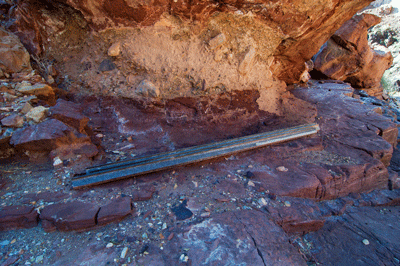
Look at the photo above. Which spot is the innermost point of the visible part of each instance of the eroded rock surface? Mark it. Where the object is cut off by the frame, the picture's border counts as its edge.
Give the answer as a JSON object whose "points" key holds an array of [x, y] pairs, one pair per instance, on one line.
{"points": [[347, 56], [14, 57], [212, 47]]}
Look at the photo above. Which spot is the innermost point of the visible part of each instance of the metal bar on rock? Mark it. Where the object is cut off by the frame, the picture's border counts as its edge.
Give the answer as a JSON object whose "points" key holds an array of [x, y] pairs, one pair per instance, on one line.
{"points": [[139, 166]]}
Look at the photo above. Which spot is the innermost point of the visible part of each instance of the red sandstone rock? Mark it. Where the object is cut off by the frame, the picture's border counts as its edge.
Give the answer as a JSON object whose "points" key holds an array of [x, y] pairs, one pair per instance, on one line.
{"points": [[296, 216], [363, 236], [279, 35], [145, 193], [13, 55], [237, 237], [69, 216], [70, 114], [348, 57], [46, 136], [115, 211], [15, 217]]}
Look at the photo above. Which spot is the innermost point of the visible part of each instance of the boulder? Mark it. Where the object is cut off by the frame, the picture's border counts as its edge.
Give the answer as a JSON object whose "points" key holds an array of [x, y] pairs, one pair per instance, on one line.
{"points": [[46, 136], [18, 216], [348, 57], [70, 114], [14, 57]]}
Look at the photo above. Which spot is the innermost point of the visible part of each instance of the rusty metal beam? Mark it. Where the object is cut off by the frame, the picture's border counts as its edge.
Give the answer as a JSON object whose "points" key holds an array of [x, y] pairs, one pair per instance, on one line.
{"points": [[143, 165]]}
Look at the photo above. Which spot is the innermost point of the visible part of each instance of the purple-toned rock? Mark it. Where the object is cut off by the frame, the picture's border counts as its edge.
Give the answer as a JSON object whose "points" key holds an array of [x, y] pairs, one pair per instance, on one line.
{"points": [[362, 236], [115, 211], [233, 238], [145, 193], [13, 120], [70, 114], [15, 217], [45, 136], [69, 216], [294, 181], [296, 216]]}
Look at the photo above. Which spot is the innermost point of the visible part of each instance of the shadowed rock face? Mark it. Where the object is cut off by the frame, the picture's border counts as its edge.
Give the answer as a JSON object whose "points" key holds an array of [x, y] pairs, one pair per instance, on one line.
{"points": [[299, 27], [184, 45]]}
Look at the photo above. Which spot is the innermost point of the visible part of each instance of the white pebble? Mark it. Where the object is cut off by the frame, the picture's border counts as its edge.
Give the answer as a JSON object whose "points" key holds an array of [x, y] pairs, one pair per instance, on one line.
{"points": [[262, 202], [123, 253], [57, 162], [282, 169], [109, 245], [365, 242]]}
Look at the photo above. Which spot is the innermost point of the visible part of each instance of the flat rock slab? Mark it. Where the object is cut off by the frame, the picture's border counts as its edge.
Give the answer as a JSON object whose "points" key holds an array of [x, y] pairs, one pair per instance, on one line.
{"points": [[69, 216], [15, 217], [115, 211], [296, 216], [362, 236], [44, 136], [244, 237]]}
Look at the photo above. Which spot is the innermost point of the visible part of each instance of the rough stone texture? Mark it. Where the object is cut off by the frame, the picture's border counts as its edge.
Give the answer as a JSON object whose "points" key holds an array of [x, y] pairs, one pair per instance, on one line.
{"points": [[15, 217], [239, 237], [37, 114], [45, 136], [297, 215], [37, 90], [351, 130], [279, 38], [348, 57], [350, 154], [297, 22], [14, 57], [340, 241], [70, 114], [69, 216], [13, 120], [115, 211], [147, 89]]}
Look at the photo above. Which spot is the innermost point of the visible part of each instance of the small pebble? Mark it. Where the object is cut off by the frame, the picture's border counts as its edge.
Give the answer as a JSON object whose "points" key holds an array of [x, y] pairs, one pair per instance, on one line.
{"points": [[251, 184], [250, 174], [262, 202], [365, 242], [4, 243], [282, 169], [57, 162], [123, 253], [164, 226], [39, 259], [13, 241], [287, 204], [205, 214], [109, 245]]}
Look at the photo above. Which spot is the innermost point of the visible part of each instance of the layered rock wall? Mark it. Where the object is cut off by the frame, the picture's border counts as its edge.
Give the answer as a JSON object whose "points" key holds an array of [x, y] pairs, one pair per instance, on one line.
{"points": [[183, 48]]}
